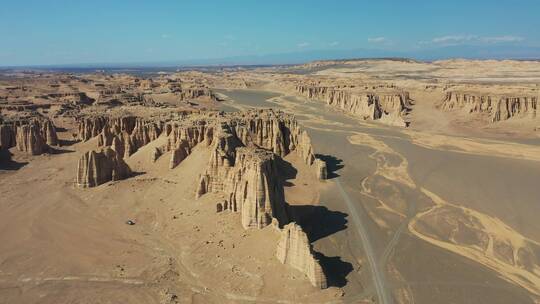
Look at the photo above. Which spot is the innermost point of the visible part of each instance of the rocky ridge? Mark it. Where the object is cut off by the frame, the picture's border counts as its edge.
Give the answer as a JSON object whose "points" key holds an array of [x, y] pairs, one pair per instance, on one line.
{"points": [[387, 106], [498, 107]]}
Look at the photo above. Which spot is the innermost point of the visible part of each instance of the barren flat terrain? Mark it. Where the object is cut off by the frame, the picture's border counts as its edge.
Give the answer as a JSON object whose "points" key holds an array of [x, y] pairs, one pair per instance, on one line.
{"points": [[355, 181]]}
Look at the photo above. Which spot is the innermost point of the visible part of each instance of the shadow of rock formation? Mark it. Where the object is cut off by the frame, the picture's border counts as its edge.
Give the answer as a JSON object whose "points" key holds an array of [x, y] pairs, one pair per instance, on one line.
{"points": [[67, 142], [317, 221], [59, 151], [335, 269], [286, 171], [333, 164], [6, 163]]}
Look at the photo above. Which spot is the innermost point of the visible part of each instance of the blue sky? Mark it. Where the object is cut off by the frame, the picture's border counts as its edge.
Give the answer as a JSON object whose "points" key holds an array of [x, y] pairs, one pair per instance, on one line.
{"points": [[98, 31]]}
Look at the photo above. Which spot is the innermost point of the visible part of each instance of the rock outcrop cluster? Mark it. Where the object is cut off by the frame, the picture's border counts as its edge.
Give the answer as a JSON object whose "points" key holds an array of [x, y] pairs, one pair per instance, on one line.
{"points": [[498, 107], [387, 106], [246, 151], [294, 249], [32, 137], [244, 164], [98, 167]]}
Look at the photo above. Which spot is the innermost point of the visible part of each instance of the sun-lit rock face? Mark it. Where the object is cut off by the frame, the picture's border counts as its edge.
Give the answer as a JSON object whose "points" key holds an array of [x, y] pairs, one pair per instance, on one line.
{"points": [[294, 249], [498, 107], [248, 176], [387, 106], [252, 185], [30, 140], [98, 167], [48, 131]]}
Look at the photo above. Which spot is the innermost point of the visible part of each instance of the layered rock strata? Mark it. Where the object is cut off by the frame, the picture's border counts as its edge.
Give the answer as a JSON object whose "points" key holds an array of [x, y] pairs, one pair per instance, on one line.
{"points": [[98, 167], [498, 107], [294, 249], [388, 107], [251, 184]]}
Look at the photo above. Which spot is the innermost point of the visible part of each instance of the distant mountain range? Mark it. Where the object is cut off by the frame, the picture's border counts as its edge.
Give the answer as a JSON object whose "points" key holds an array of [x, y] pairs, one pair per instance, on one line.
{"points": [[427, 54]]}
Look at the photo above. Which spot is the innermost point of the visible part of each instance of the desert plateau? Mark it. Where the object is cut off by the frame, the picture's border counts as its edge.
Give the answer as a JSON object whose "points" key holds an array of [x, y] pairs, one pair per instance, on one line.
{"points": [[269, 152], [325, 182]]}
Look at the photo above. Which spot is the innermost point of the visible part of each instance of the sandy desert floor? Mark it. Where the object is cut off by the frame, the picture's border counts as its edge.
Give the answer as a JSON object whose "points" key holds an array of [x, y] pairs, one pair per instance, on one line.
{"points": [[442, 211]]}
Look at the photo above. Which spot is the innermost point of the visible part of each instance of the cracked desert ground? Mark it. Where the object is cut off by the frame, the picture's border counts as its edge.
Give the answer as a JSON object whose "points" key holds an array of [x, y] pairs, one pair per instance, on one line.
{"points": [[359, 181]]}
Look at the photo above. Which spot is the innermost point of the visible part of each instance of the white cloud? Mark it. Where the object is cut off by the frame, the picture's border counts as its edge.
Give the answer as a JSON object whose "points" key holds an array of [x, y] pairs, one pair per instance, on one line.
{"points": [[462, 39], [165, 36], [499, 39], [377, 40], [334, 43], [303, 44], [454, 39]]}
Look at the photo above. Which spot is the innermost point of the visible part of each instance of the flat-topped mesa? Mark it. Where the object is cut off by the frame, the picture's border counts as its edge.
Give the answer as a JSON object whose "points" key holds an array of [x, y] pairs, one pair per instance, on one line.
{"points": [[98, 167], [386, 106], [294, 249], [498, 107], [256, 187], [194, 93]]}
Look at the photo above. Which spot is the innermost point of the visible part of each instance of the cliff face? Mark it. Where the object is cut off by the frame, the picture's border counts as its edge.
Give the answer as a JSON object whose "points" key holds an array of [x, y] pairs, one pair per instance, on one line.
{"points": [[498, 108], [249, 179], [90, 127], [196, 92], [125, 134], [276, 132], [30, 140], [295, 250], [389, 107], [48, 131], [98, 167]]}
